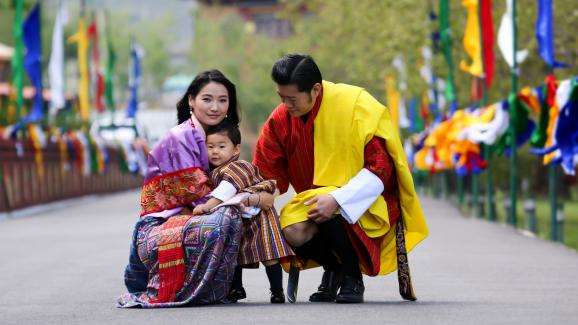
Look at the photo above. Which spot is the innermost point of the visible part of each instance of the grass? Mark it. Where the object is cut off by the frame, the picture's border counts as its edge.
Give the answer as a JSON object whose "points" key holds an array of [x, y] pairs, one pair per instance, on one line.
{"points": [[543, 219]]}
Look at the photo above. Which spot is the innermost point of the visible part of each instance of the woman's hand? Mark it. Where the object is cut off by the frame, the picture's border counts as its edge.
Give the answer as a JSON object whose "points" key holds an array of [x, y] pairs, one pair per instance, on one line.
{"points": [[199, 209], [324, 210]]}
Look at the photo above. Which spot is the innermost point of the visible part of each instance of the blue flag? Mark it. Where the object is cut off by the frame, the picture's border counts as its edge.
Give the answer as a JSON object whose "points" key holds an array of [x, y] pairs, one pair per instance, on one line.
{"points": [[135, 78], [545, 33], [33, 62]]}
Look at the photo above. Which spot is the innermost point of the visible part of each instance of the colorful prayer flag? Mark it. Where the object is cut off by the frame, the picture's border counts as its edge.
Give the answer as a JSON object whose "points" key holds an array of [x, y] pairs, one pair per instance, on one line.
{"points": [[135, 79], [545, 33], [56, 65], [81, 38], [18, 59], [33, 62], [506, 37], [472, 44], [487, 25]]}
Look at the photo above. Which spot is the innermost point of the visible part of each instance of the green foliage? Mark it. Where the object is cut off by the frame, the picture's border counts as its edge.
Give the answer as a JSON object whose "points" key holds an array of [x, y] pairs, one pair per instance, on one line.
{"points": [[224, 41]]}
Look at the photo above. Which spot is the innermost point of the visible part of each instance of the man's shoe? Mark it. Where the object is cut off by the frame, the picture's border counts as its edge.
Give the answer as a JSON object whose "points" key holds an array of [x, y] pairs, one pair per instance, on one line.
{"points": [[236, 294], [327, 290], [351, 292], [277, 297]]}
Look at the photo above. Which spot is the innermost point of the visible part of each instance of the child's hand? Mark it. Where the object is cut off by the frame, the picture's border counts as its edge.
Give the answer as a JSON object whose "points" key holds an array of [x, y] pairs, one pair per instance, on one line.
{"points": [[200, 209]]}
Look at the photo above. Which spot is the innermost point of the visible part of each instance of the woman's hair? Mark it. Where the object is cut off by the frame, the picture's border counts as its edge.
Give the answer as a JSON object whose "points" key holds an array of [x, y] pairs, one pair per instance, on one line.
{"points": [[296, 69], [200, 81], [227, 128]]}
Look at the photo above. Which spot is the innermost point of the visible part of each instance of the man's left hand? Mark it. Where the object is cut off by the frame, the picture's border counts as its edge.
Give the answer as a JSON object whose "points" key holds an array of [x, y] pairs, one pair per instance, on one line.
{"points": [[324, 209]]}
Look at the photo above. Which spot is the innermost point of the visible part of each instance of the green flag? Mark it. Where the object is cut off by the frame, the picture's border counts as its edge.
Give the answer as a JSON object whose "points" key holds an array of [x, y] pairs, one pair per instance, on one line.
{"points": [[520, 121], [18, 59], [538, 139], [446, 44], [109, 73]]}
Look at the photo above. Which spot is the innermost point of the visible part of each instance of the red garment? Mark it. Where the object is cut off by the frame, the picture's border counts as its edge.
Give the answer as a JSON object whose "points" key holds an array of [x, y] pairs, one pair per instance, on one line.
{"points": [[284, 152]]}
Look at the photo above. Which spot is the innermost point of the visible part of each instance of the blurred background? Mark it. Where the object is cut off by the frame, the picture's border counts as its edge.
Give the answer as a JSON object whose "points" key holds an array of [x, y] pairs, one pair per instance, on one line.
{"points": [[121, 66]]}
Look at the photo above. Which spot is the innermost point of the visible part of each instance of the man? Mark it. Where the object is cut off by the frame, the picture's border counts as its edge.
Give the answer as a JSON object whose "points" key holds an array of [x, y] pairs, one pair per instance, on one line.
{"points": [[336, 145]]}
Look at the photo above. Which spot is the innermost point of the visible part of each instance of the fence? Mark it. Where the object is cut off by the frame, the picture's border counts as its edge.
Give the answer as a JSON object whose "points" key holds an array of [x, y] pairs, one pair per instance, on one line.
{"points": [[533, 214], [22, 185]]}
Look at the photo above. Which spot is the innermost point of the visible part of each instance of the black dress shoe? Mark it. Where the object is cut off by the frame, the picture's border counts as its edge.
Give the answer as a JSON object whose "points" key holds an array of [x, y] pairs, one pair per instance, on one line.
{"points": [[277, 296], [327, 290], [351, 292], [236, 294]]}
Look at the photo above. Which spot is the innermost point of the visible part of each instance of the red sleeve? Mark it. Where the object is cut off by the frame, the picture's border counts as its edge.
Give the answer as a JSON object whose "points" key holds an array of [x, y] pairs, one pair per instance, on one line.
{"points": [[270, 157], [379, 162]]}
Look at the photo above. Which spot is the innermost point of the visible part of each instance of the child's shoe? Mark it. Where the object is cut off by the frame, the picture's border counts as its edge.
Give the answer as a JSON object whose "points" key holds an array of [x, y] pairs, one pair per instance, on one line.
{"points": [[237, 294], [277, 296]]}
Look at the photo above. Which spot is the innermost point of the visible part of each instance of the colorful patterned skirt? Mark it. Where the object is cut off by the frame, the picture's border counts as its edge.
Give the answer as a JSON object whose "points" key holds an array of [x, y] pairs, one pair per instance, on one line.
{"points": [[262, 239], [206, 252]]}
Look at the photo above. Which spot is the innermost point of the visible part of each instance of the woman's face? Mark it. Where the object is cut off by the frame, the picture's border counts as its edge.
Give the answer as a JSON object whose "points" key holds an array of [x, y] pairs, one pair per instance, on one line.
{"points": [[211, 104]]}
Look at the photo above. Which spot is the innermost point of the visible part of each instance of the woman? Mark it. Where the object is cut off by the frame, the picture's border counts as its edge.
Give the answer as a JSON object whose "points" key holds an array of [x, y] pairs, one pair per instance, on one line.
{"points": [[183, 259]]}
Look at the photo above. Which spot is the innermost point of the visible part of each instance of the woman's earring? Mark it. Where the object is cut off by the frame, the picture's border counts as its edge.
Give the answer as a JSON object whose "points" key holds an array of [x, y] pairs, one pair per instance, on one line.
{"points": [[191, 110]]}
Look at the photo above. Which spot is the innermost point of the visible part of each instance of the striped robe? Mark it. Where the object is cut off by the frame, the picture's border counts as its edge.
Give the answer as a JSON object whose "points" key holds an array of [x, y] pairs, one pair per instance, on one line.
{"points": [[262, 239]]}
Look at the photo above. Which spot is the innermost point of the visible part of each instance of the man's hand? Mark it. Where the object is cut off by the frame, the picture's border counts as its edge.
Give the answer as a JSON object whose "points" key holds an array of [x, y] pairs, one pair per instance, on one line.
{"points": [[263, 200], [324, 210]]}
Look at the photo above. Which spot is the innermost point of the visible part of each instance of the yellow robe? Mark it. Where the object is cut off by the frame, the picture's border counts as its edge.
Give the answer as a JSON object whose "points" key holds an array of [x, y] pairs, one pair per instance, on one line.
{"points": [[349, 117]]}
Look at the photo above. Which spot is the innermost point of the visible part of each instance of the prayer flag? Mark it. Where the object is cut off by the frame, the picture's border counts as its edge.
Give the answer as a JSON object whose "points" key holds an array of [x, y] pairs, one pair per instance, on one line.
{"points": [[56, 65], [33, 62], [18, 59], [135, 79], [506, 37], [472, 44], [98, 79], [545, 33], [81, 38], [487, 40]]}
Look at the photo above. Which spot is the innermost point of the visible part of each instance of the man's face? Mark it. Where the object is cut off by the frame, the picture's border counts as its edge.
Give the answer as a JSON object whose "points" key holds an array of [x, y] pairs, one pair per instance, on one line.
{"points": [[298, 103]]}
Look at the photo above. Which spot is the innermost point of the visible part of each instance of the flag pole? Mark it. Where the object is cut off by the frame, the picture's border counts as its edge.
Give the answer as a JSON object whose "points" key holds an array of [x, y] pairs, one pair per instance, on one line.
{"points": [[487, 153], [450, 92], [512, 217]]}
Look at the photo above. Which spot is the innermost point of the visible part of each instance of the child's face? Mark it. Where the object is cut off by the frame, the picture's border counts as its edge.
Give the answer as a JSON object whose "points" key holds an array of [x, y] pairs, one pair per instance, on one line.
{"points": [[221, 149]]}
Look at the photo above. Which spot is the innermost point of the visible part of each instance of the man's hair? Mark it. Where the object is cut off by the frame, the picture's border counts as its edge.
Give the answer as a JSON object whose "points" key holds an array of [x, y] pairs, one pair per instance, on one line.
{"points": [[296, 69], [227, 128]]}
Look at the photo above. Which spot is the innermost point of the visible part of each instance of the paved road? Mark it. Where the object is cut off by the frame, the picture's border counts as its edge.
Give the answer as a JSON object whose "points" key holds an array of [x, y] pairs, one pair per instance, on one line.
{"points": [[65, 266]]}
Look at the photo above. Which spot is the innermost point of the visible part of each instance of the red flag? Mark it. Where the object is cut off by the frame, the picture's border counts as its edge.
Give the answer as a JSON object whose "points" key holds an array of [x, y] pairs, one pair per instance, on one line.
{"points": [[487, 40], [96, 73]]}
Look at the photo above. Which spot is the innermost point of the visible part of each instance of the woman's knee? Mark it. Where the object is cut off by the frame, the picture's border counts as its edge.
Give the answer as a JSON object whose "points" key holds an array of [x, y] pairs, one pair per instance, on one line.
{"points": [[299, 233]]}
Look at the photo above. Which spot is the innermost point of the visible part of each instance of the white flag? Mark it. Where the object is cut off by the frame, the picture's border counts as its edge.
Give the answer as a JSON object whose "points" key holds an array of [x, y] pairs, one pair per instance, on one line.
{"points": [[403, 120], [506, 37], [56, 64]]}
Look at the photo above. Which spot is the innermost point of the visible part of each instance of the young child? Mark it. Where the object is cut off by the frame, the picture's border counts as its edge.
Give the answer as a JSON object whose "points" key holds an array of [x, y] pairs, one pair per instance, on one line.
{"points": [[262, 239]]}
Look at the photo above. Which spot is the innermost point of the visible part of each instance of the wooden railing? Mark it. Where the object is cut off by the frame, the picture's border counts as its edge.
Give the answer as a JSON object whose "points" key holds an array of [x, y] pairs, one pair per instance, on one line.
{"points": [[22, 186]]}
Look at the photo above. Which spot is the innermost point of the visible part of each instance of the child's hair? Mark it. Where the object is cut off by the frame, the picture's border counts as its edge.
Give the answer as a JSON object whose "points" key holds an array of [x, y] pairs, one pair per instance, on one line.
{"points": [[226, 127]]}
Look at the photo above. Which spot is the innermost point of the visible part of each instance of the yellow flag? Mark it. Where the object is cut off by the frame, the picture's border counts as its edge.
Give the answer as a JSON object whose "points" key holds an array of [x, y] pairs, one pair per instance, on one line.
{"points": [[472, 42], [81, 38], [392, 100]]}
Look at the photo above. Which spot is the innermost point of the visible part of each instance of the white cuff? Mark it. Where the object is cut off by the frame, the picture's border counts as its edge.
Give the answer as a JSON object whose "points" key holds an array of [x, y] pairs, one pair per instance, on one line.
{"points": [[250, 212], [355, 197], [224, 191]]}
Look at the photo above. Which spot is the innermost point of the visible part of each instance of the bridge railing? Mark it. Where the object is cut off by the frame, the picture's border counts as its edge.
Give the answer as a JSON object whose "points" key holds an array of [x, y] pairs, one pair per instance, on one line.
{"points": [[25, 183]]}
